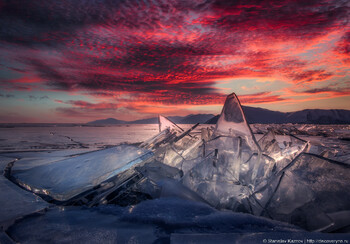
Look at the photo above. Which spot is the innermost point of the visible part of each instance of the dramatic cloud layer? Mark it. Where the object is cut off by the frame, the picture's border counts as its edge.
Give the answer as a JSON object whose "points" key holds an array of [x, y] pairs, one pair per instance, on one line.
{"points": [[90, 58]]}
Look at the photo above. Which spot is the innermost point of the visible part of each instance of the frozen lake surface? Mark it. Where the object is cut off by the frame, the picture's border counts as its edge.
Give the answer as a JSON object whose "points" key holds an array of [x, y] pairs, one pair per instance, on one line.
{"points": [[168, 219], [56, 137]]}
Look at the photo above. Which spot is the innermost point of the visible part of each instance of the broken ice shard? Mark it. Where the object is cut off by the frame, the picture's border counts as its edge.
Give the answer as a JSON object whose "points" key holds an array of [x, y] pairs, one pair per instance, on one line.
{"points": [[169, 133], [234, 165], [158, 140], [165, 123], [273, 177], [269, 144], [282, 151], [65, 179], [181, 149], [232, 122], [308, 193]]}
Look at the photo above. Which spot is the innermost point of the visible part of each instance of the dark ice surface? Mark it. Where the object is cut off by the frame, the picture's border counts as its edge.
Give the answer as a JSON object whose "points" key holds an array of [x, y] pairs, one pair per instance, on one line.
{"points": [[144, 223], [164, 220]]}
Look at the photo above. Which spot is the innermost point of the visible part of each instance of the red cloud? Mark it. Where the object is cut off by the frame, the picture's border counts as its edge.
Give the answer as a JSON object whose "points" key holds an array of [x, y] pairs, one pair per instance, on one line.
{"points": [[88, 105], [343, 48], [310, 75], [168, 52], [262, 97]]}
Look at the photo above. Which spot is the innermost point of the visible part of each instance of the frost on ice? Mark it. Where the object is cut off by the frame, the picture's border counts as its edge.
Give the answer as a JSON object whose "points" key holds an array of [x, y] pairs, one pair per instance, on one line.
{"points": [[277, 176]]}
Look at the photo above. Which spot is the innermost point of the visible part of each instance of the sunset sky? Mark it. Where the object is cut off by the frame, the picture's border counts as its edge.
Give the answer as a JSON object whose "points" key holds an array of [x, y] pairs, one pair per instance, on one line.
{"points": [[81, 60]]}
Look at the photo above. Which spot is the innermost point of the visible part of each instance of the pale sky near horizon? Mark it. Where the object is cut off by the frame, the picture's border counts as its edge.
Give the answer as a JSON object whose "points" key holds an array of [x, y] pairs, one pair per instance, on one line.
{"points": [[77, 61]]}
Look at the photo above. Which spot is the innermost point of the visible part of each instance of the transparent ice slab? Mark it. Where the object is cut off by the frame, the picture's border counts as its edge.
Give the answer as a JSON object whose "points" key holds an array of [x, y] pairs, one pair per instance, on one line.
{"points": [[234, 163], [269, 145], [307, 193], [182, 154], [282, 149], [273, 177], [165, 123], [159, 140], [67, 178], [232, 122], [181, 149]]}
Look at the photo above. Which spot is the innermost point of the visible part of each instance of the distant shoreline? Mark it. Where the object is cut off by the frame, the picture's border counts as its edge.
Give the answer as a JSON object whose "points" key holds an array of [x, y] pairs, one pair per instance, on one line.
{"points": [[253, 115], [34, 125]]}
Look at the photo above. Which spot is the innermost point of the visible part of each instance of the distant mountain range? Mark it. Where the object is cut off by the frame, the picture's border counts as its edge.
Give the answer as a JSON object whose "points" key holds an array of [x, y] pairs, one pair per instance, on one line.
{"points": [[189, 119], [253, 115], [307, 116]]}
